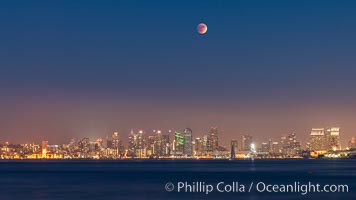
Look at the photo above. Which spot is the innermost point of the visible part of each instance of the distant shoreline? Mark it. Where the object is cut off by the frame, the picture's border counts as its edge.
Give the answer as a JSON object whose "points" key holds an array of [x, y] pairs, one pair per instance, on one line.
{"points": [[169, 159]]}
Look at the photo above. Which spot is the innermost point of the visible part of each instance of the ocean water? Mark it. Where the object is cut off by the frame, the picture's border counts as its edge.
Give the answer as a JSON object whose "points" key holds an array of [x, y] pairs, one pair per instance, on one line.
{"points": [[148, 179]]}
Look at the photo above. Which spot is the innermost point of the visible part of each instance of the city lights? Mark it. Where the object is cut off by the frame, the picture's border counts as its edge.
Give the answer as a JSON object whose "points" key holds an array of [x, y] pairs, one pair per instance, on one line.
{"points": [[180, 144]]}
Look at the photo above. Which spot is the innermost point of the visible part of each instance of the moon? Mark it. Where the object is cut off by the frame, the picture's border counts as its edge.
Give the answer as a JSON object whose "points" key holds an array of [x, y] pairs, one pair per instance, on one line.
{"points": [[202, 28]]}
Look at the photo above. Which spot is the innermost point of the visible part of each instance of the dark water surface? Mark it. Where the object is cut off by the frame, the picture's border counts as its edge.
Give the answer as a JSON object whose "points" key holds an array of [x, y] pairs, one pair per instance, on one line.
{"points": [[146, 179]]}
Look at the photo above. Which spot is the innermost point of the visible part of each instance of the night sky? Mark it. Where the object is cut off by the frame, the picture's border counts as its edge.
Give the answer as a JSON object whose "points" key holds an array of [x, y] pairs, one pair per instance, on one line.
{"points": [[87, 68]]}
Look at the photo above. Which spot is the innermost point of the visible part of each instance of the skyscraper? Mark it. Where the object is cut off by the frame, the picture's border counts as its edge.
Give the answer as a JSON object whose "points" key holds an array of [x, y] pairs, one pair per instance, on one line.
{"points": [[198, 146], [333, 139], [150, 151], [137, 144], [275, 148], [283, 144], [141, 144], [289, 145], [98, 147], [116, 144], [214, 139], [205, 145], [84, 147], [187, 148], [166, 147], [246, 141], [234, 149], [158, 143], [317, 139], [132, 144], [178, 143]]}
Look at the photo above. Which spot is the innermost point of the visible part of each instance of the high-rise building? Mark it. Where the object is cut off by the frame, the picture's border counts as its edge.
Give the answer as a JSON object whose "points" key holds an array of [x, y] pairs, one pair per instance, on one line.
{"points": [[84, 148], [275, 148], [198, 146], [283, 144], [150, 145], [99, 147], [132, 144], [178, 143], [187, 148], [333, 138], [289, 146], [317, 139], [166, 147], [234, 148], [114, 145], [141, 144], [158, 143], [137, 144], [246, 141], [214, 139], [270, 143], [205, 145]]}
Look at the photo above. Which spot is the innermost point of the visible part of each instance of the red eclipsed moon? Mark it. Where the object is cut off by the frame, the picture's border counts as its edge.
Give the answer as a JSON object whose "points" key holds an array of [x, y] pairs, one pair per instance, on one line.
{"points": [[202, 28]]}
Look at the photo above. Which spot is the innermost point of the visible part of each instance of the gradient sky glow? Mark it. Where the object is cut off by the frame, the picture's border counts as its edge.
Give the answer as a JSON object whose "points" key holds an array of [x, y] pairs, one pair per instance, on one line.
{"points": [[87, 68]]}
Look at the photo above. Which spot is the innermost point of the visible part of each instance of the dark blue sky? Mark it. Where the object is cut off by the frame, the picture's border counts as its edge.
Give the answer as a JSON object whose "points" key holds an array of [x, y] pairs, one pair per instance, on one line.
{"points": [[75, 68]]}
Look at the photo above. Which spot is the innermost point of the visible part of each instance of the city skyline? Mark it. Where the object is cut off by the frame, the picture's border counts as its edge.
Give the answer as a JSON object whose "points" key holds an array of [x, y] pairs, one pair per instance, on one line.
{"points": [[323, 142], [80, 68], [220, 138], [304, 138]]}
